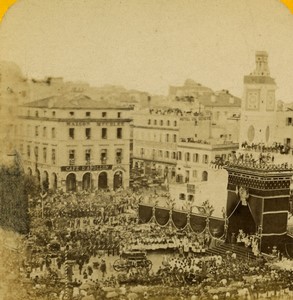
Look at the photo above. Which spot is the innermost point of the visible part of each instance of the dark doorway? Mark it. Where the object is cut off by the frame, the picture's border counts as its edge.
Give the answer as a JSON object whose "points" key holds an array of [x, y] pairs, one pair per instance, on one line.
{"points": [[71, 182], [87, 181], [45, 181], [103, 181], [54, 182], [118, 180]]}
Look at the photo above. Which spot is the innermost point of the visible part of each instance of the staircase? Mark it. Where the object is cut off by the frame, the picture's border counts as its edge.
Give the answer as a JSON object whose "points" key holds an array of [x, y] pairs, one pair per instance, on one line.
{"points": [[242, 252]]}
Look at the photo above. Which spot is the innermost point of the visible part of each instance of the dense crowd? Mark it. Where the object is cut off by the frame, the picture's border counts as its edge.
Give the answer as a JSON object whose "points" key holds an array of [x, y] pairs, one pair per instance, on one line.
{"points": [[76, 238], [274, 148]]}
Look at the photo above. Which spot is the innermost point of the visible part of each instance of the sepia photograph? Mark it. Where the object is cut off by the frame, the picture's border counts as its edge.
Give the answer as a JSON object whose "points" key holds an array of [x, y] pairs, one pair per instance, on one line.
{"points": [[146, 150]]}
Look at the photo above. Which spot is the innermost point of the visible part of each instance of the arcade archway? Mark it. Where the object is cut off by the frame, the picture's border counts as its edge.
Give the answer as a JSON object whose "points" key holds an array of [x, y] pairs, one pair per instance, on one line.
{"points": [[38, 176], [54, 182], [103, 180], [71, 182], [87, 181], [45, 181], [118, 180]]}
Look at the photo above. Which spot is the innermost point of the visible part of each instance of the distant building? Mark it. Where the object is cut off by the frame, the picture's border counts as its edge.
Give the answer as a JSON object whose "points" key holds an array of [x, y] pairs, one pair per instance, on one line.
{"points": [[266, 124], [155, 138], [190, 91], [75, 143], [179, 146], [13, 90]]}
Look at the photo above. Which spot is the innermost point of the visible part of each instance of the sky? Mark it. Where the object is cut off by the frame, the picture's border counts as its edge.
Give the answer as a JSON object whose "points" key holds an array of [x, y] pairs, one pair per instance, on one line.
{"points": [[150, 44]]}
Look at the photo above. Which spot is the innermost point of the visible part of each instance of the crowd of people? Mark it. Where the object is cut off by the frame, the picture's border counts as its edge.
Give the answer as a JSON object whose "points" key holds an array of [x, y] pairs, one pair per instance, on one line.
{"points": [[260, 147], [75, 239]]}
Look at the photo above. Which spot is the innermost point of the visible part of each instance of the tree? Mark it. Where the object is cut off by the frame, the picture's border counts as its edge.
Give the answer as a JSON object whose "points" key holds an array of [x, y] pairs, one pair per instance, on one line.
{"points": [[15, 188]]}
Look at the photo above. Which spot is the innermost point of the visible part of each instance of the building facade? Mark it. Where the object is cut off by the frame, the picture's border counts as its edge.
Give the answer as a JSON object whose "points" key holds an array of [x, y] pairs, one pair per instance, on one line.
{"points": [[75, 143], [155, 137]]}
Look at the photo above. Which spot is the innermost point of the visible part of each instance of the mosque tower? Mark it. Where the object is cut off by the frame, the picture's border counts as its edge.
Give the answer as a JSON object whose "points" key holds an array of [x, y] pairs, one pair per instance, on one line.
{"points": [[258, 109]]}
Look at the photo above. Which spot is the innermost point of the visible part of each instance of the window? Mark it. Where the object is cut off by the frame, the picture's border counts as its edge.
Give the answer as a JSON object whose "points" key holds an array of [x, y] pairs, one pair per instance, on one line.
{"points": [[45, 154], [175, 138], [71, 113], [181, 196], [167, 137], [71, 157], [88, 156], [119, 133], [160, 153], [205, 159], [88, 133], [195, 157], [168, 122], [141, 151], [155, 122], [36, 153], [53, 156], [190, 198], [104, 133], [44, 132], [289, 121], [37, 131], [179, 155], [53, 132], [119, 115], [53, 113], [154, 153], [187, 156], [104, 156], [104, 114], [28, 151], [149, 121], [175, 123], [71, 133], [173, 155], [167, 154], [118, 156], [36, 113], [161, 122], [88, 114]]}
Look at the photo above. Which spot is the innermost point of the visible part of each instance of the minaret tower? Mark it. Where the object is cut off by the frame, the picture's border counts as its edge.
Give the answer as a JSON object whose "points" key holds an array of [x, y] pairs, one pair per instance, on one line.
{"points": [[258, 109]]}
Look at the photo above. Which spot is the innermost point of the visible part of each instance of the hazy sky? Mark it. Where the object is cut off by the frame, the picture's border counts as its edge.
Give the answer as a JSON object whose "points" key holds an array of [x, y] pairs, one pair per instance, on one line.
{"points": [[150, 44]]}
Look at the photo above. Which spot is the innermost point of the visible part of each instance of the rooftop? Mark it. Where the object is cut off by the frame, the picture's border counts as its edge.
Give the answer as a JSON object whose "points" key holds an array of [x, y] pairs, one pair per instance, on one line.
{"points": [[70, 101], [220, 99]]}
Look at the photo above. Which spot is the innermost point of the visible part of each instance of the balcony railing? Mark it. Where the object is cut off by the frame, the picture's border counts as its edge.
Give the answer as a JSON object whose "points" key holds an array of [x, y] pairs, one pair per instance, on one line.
{"points": [[104, 160]]}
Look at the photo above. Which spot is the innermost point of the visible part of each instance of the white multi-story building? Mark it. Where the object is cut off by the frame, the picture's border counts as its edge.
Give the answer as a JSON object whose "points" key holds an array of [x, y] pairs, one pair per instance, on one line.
{"points": [[73, 142], [155, 138]]}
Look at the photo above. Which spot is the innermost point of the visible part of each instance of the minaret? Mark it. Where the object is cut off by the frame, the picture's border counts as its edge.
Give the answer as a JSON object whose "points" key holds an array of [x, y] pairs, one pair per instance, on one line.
{"points": [[258, 109]]}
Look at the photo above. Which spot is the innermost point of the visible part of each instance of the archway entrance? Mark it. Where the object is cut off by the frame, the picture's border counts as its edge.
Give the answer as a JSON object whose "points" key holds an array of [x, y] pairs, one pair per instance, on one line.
{"points": [[54, 182], [71, 182], [103, 180], [38, 177], [87, 181], [45, 181], [118, 180]]}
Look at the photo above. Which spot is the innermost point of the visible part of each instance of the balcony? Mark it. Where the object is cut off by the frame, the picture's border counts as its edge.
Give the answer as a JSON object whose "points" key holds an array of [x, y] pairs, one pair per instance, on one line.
{"points": [[104, 160], [71, 162], [118, 160]]}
